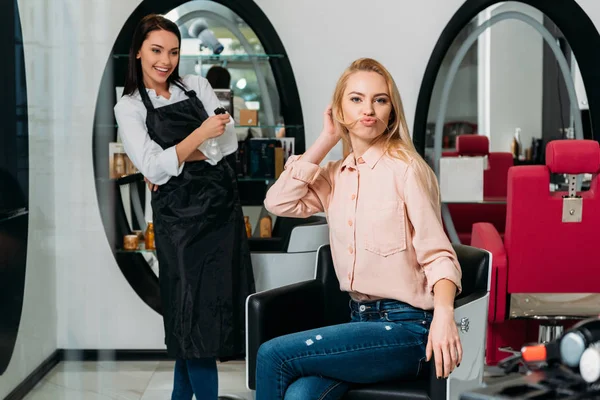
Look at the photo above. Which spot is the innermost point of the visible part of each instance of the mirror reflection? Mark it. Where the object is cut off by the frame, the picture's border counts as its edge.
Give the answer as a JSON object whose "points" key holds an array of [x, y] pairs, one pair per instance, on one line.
{"points": [[503, 92], [508, 86]]}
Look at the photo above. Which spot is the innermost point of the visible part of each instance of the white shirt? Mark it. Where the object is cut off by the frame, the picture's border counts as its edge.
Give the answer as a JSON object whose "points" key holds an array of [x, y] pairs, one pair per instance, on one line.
{"points": [[156, 164]]}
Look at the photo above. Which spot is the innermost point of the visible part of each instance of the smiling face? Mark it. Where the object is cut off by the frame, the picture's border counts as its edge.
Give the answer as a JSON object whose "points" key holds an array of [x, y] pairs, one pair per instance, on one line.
{"points": [[366, 106], [159, 55]]}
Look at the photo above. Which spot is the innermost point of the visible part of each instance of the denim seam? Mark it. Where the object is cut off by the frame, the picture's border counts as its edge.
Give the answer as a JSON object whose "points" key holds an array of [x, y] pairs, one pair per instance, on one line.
{"points": [[281, 393], [329, 390]]}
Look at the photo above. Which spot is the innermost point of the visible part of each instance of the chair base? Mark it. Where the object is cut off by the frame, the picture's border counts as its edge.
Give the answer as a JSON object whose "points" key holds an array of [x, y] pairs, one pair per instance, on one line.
{"points": [[550, 332], [553, 327]]}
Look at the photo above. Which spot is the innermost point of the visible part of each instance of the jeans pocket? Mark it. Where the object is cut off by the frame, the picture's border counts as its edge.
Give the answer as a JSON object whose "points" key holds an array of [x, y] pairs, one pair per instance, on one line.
{"points": [[413, 320]]}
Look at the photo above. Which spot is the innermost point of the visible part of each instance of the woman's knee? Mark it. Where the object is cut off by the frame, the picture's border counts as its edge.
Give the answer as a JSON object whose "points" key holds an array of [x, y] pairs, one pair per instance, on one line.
{"points": [[315, 387], [300, 389], [269, 351]]}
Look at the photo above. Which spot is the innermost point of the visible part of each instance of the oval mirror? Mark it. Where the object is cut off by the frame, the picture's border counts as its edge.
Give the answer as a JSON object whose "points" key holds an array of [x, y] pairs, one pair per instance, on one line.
{"points": [[237, 37], [506, 75]]}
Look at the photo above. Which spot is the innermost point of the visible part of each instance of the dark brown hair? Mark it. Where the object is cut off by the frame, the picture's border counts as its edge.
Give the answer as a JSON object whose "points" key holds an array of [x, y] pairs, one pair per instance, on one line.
{"points": [[218, 77], [149, 23]]}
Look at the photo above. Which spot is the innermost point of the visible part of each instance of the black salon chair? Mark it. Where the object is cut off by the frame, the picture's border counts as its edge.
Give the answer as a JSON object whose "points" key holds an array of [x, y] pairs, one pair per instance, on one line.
{"points": [[289, 255], [277, 312]]}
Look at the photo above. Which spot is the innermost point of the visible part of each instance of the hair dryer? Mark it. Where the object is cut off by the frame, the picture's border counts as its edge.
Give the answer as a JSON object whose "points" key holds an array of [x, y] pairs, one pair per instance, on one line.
{"points": [[199, 29]]}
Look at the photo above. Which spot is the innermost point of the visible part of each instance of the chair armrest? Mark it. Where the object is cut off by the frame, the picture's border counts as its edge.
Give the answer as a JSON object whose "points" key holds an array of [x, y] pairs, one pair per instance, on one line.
{"points": [[280, 311], [470, 314], [485, 236]]}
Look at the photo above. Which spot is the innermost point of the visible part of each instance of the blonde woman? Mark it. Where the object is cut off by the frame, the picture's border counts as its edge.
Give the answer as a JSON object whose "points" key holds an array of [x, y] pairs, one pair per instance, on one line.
{"points": [[389, 250]]}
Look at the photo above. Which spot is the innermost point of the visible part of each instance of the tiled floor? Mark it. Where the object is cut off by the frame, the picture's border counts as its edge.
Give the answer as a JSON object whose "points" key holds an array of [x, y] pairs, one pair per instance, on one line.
{"points": [[141, 380], [125, 380]]}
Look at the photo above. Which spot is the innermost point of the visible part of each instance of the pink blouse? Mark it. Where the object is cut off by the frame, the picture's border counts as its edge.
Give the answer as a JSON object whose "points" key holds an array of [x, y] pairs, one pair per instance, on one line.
{"points": [[386, 233]]}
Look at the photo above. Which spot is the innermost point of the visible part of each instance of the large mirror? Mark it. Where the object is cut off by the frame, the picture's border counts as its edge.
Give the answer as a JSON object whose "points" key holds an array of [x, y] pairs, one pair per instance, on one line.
{"points": [[236, 48], [510, 80]]}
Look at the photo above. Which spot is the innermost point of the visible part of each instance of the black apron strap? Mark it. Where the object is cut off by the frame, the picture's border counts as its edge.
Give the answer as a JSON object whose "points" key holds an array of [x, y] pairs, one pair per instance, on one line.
{"points": [[145, 97], [189, 93]]}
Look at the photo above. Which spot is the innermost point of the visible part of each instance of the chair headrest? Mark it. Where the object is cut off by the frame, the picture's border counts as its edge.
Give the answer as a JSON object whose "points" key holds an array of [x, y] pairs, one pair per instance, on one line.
{"points": [[472, 145], [574, 157]]}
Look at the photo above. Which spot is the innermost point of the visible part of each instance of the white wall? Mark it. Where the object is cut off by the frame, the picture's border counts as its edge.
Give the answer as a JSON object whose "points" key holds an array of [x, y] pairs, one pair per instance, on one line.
{"points": [[68, 42], [36, 339]]}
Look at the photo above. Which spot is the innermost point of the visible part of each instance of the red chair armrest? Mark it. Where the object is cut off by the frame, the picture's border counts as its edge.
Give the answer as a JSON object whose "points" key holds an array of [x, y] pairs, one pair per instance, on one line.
{"points": [[485, 236]]}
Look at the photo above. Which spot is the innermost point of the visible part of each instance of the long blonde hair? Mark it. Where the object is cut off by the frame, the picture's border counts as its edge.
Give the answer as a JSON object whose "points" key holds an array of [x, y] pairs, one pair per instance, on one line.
{"points": [[398, 143]]}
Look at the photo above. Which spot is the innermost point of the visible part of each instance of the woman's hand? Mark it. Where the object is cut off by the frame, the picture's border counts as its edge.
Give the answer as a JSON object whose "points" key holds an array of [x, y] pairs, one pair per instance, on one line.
{"points": [[151, 186], [444, 342], [329, 129], [214, 126]]}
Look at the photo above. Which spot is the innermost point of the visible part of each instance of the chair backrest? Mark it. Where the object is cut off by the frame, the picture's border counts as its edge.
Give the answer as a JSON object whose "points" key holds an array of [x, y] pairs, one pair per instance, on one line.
{"points": [[546, 254], [495, 176], [284, 226], [474, 262], [308, 236]]}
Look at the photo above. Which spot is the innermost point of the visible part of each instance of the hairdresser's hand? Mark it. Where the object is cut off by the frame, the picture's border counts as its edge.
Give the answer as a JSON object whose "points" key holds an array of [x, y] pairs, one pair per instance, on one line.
{"points": [[151, 186], [213, 126], [329, 129], [444, 342]]}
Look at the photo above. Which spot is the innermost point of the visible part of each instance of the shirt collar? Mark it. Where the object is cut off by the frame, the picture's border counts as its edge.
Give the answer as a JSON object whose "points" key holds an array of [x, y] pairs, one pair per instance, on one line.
{"points": [[371, 157], [152, 92]]}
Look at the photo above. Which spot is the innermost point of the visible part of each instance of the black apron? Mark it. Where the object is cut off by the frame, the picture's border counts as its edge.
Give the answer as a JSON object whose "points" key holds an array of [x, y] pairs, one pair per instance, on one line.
{"points": [[205, 271]]}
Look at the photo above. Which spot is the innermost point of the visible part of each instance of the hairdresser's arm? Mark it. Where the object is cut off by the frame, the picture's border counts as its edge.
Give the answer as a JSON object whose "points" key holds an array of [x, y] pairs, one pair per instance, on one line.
{"points": [[158, 165], [304, 188], [212, 127]]}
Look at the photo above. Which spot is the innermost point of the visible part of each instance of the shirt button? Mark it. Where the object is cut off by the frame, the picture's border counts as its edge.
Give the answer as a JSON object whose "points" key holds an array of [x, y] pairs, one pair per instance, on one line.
{"points": [[360, 160], [349, 275], [350, 250], [349, 222], [353, 197], [362, 308]]}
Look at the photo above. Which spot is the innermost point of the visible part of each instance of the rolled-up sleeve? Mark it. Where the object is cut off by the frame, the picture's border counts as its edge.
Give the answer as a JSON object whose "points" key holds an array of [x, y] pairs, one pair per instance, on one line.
{"points": [[302, 190], [156, 164], [433, 249]]}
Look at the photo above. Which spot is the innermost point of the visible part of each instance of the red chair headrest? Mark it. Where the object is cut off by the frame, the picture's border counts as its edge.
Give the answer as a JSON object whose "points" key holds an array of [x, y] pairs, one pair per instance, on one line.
{"points": [[472, 145], [574, 157]]}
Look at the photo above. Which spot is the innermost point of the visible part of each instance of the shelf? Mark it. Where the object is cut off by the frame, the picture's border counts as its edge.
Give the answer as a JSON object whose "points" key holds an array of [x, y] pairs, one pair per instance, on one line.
{"points": [[124, 180], [270, 126], [237, 126], [127, 179], [221, 57], [138, 251]]}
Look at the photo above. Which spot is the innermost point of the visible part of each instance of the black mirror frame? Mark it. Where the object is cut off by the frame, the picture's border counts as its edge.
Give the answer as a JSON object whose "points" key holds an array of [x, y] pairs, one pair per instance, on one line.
{"points": [[568, 16]]}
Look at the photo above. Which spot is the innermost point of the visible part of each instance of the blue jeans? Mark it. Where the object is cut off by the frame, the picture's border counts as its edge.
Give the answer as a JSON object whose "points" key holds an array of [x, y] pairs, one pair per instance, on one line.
{"points": [[385, 340], [196, 377]]}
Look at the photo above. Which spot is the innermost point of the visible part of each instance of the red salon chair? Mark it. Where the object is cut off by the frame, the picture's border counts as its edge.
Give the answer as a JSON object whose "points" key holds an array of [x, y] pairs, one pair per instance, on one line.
{"points": [[545, 274]]}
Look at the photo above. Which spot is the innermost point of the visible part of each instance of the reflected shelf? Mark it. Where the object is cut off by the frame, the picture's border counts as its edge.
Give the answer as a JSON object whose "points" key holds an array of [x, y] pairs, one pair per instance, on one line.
{"points": [[221, 57], [137, 177], [139, 251], [236, 126]]}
